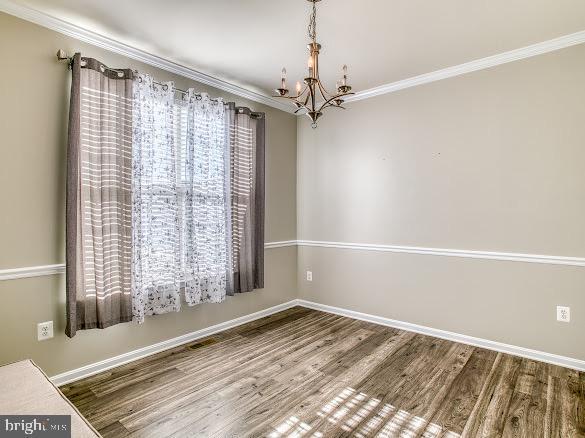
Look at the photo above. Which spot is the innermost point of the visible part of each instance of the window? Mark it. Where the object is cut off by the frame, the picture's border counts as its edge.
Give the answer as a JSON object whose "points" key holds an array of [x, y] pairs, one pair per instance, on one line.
{"points": [[182, 167]]}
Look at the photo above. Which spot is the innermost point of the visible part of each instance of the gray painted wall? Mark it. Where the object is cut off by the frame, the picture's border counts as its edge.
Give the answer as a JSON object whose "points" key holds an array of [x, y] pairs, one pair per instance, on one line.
{"points": [[34, 94], [489, 161]]}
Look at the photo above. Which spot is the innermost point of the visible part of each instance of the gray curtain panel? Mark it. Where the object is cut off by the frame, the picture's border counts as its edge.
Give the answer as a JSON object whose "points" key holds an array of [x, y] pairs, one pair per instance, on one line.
{"points": [[99, 197], [246, 143]]}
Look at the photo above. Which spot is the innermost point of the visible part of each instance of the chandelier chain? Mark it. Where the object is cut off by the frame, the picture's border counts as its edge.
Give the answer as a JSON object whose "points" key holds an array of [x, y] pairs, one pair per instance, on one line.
{"points": [[312, 28]]}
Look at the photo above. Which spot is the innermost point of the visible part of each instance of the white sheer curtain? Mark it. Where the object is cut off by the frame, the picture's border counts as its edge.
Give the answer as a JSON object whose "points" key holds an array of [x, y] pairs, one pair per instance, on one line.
{"points": [[181, 238], [206, 206], [156, 256]]}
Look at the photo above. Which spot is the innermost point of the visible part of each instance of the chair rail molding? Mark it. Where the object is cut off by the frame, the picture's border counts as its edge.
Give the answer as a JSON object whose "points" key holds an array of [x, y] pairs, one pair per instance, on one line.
{"points": [[485, 255], [42, 19], [281, 244], [37, 271], [31, 271]]}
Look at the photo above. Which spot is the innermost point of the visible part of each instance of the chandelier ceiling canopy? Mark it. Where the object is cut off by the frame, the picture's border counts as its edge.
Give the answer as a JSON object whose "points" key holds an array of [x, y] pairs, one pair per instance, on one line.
{"points": [[312, 97]]}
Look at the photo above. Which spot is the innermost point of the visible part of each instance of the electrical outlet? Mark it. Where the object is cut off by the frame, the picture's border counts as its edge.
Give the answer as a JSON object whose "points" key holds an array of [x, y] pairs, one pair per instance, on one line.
{"points": [[44, 330], [309, 276], [563, 314]]}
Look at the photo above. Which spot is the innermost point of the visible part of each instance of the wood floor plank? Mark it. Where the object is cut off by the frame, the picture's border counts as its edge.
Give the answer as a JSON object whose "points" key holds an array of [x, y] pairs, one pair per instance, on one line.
{"points": [[527, 410], [114, 430], [489, 414], [255, 423], [263, 360], [198, 409], [303, 372], [566, 403], [347, 400], [323, 396], [306, 367], [463, 394], [403, 387], [206, 374], [297, 312], [112, 407]]}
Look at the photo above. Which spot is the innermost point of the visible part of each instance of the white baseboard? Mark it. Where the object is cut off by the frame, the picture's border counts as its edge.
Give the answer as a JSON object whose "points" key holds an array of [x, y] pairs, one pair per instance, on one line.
{"points": [[541, 356], [104, 365]]}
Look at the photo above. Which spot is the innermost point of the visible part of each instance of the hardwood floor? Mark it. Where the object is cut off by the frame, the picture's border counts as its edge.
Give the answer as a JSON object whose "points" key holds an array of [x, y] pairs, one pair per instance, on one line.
{"points": [[307, 373]]}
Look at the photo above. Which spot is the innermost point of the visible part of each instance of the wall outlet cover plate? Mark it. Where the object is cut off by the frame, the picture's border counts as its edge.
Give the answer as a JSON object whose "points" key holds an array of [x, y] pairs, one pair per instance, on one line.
{"points": [[563, 314], [44, 330]]}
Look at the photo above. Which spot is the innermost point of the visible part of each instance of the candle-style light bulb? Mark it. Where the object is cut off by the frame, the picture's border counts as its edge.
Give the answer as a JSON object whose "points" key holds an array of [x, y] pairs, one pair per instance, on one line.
{"points": [[298, 88], [344, 80], [283, 79]]}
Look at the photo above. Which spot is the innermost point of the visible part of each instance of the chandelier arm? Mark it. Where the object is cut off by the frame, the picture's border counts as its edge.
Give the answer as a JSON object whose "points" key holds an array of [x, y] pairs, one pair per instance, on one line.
{"points": [[301, 103], [328, 101], [302, 107], [330, 105], [285, 97], [326, 95], [307, 98], [322, 91], [295, 98], [312, 96], [303, 92]]}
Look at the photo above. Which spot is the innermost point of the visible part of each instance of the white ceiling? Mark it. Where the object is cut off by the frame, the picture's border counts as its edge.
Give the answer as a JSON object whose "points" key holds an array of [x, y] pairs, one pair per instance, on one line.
{"points": [[248, 42]]}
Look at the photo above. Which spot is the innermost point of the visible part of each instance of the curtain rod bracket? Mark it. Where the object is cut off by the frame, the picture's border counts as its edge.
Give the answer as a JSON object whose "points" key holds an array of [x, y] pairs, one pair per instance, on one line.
{"points": [[62, 55]]}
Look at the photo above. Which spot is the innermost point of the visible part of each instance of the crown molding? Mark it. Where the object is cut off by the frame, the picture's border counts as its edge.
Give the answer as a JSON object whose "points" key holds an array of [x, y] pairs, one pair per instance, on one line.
{"points": [[77, 32], [468, 67], [42, 19]]}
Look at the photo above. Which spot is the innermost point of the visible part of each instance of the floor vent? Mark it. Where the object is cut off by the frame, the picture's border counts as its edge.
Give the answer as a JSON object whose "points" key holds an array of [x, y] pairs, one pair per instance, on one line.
{"points": [[201, 344]]}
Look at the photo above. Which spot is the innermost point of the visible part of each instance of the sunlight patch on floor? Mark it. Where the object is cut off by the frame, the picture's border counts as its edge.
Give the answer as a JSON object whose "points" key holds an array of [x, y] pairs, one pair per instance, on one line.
{"points": [[389, 421]]}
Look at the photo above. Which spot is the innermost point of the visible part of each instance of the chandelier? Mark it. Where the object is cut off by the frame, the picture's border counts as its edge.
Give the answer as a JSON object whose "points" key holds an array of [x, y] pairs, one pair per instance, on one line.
{"points": [[313, 97]]}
